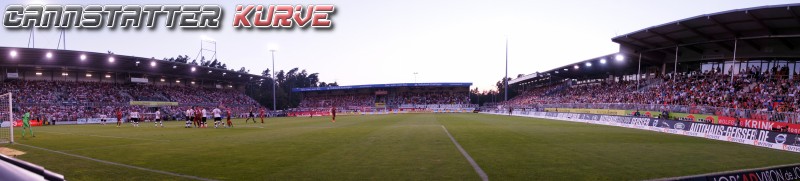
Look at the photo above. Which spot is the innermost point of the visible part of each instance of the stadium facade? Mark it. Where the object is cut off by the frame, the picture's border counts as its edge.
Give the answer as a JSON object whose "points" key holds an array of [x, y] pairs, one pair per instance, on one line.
{"points": [[730, 67]]}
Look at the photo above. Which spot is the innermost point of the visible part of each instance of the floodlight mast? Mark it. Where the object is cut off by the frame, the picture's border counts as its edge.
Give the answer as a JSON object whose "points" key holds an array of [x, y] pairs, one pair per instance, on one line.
{"points": [[272, 50], [505, 79]]}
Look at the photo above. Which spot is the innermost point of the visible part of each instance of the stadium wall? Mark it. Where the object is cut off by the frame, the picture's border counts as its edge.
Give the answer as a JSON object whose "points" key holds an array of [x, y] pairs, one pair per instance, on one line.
{"points": [[742, 135]]}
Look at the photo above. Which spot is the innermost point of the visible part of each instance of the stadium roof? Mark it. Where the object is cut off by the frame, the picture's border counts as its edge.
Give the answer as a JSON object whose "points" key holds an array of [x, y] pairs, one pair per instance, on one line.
{"points": [[765, 32], [352, 87], [69, 60], [757, 28]]}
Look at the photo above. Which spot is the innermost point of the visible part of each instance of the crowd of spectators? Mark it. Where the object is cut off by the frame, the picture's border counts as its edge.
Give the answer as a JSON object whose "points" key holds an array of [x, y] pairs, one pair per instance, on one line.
{"points": [[69, 101], [345, 100], [391, 100], [750, 90], [432, 97]]}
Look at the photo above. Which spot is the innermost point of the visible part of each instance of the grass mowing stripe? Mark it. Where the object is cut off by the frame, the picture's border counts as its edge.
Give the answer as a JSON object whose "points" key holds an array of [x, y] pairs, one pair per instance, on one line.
{"points": [[118, 164], [472, 162], [102, 136]]}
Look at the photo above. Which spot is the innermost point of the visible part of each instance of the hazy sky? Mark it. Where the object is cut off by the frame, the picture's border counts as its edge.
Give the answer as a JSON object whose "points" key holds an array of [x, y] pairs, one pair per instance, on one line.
{"points": [[387, 41]]}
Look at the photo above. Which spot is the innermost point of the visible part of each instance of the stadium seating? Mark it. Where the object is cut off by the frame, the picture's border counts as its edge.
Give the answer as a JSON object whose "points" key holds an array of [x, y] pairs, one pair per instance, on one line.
{"points": [[62, 100], [438, 99], [768, 95]]}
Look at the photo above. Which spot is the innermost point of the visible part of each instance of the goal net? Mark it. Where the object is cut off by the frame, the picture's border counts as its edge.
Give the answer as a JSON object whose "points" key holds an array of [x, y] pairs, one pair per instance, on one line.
{"points": [[6, 119]]}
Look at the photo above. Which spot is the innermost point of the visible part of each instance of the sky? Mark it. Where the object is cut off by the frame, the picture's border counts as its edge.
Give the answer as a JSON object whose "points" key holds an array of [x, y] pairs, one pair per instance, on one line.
{"points": [[375, 42]]}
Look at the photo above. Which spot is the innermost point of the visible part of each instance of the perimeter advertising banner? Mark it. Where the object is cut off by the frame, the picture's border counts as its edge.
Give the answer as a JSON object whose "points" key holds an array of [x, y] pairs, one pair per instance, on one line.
{"points": [[759, 124], [742, 135]]}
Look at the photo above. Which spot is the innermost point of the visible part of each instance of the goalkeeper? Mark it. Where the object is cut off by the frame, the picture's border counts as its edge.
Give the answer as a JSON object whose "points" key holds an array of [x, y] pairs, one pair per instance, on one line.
{"points": [[26, 124]]}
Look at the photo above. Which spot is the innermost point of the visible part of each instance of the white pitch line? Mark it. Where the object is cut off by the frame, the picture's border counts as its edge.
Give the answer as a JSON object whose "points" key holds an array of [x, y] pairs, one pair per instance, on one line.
{"points": [[471, 161], [119, 164], [101, 136]]}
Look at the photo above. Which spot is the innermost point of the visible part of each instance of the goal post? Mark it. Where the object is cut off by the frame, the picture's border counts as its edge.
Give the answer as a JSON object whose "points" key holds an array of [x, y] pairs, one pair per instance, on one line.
{"points": [[6, 119]]}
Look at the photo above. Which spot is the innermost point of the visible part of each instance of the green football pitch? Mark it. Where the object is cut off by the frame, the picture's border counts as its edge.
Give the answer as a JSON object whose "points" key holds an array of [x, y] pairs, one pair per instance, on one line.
{"points": [[385, 147]]}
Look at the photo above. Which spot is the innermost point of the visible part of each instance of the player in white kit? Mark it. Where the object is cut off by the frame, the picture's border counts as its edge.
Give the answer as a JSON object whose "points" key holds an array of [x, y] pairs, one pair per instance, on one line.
{"points": [[217, 117], [135, 118], [158, 119]]}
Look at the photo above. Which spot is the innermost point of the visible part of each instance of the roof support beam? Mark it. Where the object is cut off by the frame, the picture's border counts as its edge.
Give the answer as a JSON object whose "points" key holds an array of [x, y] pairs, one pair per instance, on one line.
{"points": [[726, 47], [723, 26], [676, 42], [640, 48], [769, 30]]}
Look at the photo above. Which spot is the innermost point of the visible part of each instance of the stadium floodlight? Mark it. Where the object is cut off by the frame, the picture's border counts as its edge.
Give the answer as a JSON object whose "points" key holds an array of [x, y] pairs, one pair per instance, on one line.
{"points": [[192, 82], [83, 57], [206, 38], [177, 81], [576, 67], [38, 73], [49, 55], [88, 75], [108, 76], [174, 66], [162, 80], [619, 57], [603, 61], [153, 63], [64, 74], [193, 69], [588, 64], [13, 53], [111, 59]]}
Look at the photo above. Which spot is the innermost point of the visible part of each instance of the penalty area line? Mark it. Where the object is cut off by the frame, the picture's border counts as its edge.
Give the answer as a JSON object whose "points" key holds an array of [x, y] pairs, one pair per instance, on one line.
{"points": [[471, 161], [118, 164]]}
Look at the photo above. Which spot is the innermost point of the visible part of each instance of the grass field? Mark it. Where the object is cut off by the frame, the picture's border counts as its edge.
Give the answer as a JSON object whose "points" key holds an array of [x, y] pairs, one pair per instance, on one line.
{"points": [[388, 147]]}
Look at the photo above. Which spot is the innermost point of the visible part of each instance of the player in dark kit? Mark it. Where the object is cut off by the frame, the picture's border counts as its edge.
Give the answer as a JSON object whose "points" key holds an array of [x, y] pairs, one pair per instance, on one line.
{"points": [[251, 116], [198, 114], [230, 124], [119, 118], [333, 114]]}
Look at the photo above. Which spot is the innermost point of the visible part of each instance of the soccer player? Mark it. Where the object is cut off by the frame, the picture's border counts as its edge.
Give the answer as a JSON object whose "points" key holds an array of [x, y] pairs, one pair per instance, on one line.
{"points": [[333, 114], [135, 118], [230, 124], [217, 117], [189, 117], [119, 118], [197, 115], [26, 124], [158, 119], [262, 115], [205, 116], [103, 119], [253, 116]]}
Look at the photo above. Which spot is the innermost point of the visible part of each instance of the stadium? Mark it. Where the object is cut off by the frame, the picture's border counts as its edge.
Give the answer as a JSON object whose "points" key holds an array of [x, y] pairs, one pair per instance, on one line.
{"points": [[709, 97]]}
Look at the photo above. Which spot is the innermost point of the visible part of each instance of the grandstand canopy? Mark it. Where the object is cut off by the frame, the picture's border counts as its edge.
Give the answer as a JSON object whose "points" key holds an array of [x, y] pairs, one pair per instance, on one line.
{"points": [[757, 28], [757, 33], [379, 86], [31, 59]]}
